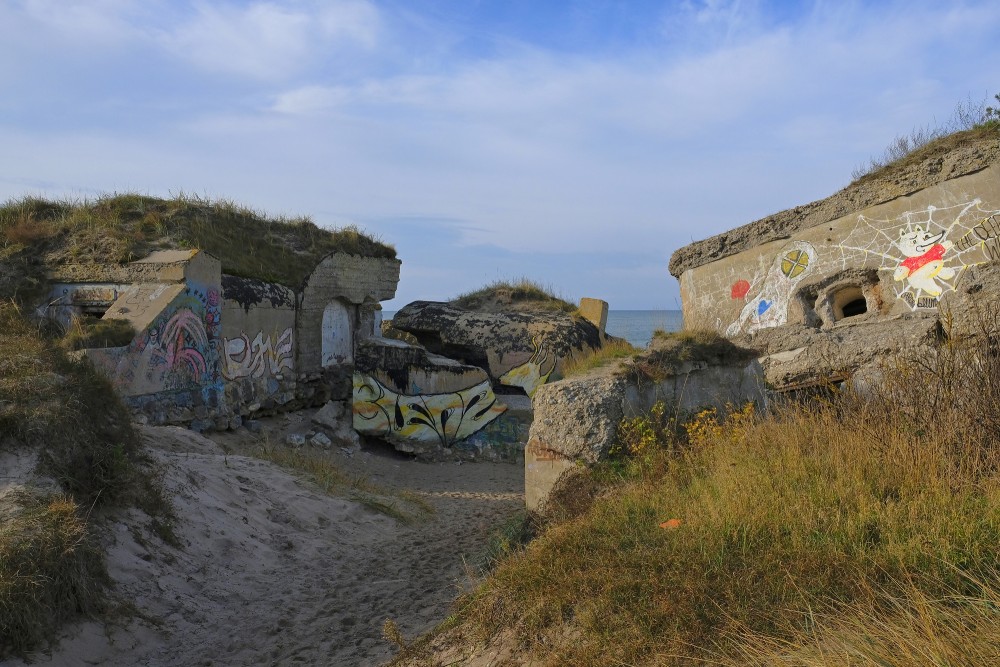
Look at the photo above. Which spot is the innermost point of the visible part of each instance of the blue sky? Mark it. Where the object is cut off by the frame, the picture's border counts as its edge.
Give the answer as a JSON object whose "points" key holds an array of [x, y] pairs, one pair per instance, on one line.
{"points": [[575, 143]]}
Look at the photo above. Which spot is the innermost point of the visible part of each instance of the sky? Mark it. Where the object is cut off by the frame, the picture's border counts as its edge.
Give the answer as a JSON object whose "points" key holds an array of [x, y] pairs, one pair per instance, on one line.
{"points": [[577, 144]]}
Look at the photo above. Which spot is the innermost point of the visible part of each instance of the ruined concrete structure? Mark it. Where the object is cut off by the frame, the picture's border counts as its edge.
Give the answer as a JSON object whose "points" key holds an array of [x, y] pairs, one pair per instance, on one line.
{"points": [[210, 349], [818, 294], [825, 291]]}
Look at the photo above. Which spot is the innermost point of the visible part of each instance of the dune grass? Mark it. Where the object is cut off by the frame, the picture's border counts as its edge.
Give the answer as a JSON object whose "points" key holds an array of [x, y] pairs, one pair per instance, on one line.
{"points": [[776, 538], [50, 570], [581, 361], [524, 293], [38, 234], [68, 415]]}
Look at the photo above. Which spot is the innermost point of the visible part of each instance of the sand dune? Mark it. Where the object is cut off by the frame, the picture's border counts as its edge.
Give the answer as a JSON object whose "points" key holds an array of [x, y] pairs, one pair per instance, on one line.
{"points": [[273, 571]]}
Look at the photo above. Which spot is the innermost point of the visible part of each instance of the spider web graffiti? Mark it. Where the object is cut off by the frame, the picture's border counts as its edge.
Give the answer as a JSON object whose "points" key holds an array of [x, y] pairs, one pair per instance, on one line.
{"points": [[927, 250]]}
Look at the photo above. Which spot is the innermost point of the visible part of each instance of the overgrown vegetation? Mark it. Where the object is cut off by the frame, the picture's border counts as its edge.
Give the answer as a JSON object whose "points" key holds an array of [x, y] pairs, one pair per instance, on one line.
{"points": [[854, 530], [969, 118], [523, 294], [70, 417], [38, 234]]}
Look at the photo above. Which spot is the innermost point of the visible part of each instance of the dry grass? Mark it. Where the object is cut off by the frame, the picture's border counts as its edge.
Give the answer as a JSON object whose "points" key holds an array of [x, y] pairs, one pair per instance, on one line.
{"points": [[900, 629], [668, 351], [522, 294], [783, 530], [71, 417], [587, 359], [406, 507], [90, 332], [968, 118], [36, 234], [49, 570]]}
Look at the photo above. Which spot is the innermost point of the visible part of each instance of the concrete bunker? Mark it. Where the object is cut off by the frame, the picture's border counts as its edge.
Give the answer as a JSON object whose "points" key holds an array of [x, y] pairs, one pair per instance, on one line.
{"points": [[337, 341]]}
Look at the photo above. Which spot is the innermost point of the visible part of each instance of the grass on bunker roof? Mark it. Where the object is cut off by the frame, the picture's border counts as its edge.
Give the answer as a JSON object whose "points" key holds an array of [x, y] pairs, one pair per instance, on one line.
{"points": [[520, 294], [37, 234]]}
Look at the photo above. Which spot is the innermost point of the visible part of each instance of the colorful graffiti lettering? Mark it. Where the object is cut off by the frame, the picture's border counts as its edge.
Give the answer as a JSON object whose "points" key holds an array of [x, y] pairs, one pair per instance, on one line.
{"points": [[445, 418], [533, 373], [769, 306], [178, 350], [917, 247], [245, 358]]}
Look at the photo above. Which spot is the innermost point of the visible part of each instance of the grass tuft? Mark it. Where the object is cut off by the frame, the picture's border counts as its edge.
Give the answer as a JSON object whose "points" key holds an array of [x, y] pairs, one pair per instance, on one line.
{"points": [[587, 359], [50, 569], [522, 294]]}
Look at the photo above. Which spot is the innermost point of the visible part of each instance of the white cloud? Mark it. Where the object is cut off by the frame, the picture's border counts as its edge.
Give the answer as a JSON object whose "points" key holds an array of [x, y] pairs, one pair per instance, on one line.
{"points": [[271, 41]]}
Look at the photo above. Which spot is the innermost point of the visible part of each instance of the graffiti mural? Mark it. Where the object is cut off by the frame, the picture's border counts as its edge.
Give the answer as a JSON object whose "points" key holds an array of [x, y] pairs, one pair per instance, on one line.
{"points": [[264, 355], [179, 349], [768, 307], [443, 418], [533, 373], [927, 249]]}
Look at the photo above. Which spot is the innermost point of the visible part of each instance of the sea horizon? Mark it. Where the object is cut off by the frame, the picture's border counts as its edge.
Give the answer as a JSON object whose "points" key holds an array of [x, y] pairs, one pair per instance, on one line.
{"points": [[635, 326]]}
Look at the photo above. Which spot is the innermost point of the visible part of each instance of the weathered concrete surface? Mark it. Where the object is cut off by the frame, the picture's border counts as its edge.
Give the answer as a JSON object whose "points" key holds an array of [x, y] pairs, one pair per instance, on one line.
{"points": [[422, 403], [595, 311], [877, 251], [516, 348], [933, 165], [348, 280], [832, 296], [576, 420]]}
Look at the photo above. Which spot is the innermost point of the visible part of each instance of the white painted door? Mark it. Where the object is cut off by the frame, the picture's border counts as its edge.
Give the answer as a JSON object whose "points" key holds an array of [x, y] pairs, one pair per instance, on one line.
{"points": [[337, 342]]}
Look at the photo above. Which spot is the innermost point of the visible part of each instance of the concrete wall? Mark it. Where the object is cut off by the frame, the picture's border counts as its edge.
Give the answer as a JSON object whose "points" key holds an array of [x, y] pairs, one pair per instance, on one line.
{"points": [[358, 284], [212, 350], [172, 370], [258, 351], [576, 420], [903, 256]]}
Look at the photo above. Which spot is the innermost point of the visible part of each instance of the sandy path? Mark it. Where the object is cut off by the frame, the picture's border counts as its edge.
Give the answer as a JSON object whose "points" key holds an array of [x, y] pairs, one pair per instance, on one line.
{"points": [[274, 572]]}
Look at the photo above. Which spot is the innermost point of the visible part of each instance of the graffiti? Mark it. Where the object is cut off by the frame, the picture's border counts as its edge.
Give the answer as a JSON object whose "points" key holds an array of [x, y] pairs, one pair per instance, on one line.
{"points": [[178, 350], [534, 372], [245, 358], [927, 249], [445, 418], [769, 306], [923, 262]]}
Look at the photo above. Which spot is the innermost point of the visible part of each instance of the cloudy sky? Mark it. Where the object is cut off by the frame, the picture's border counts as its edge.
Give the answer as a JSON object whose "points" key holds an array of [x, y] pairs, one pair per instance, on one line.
{"points": [[577, 143]]}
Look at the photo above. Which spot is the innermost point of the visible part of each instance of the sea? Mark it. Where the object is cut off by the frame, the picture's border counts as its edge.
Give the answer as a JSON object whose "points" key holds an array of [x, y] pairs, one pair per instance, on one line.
{"points": [[635, 326]]}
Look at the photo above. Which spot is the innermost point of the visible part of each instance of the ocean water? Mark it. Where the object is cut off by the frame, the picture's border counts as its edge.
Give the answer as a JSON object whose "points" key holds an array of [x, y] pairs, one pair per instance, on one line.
{"points": [[635, 326]]}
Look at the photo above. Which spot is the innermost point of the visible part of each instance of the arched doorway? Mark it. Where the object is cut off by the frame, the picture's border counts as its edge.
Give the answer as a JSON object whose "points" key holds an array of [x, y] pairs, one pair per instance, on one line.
{"points": [[337, 347]]}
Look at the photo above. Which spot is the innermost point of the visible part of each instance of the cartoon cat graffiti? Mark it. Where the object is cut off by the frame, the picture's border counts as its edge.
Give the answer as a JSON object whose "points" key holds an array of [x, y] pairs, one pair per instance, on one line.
{"points": [[923, 264]]}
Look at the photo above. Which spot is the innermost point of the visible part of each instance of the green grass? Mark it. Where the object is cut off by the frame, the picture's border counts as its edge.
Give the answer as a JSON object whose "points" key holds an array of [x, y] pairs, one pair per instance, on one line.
{"points": [[582, 361], [522, 294], [775, 536], [38, 234]]}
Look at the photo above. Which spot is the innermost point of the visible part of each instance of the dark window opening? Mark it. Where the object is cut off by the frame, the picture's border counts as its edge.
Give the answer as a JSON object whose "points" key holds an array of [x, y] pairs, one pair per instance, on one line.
{"points": [[856, 307], [848, 302]]}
